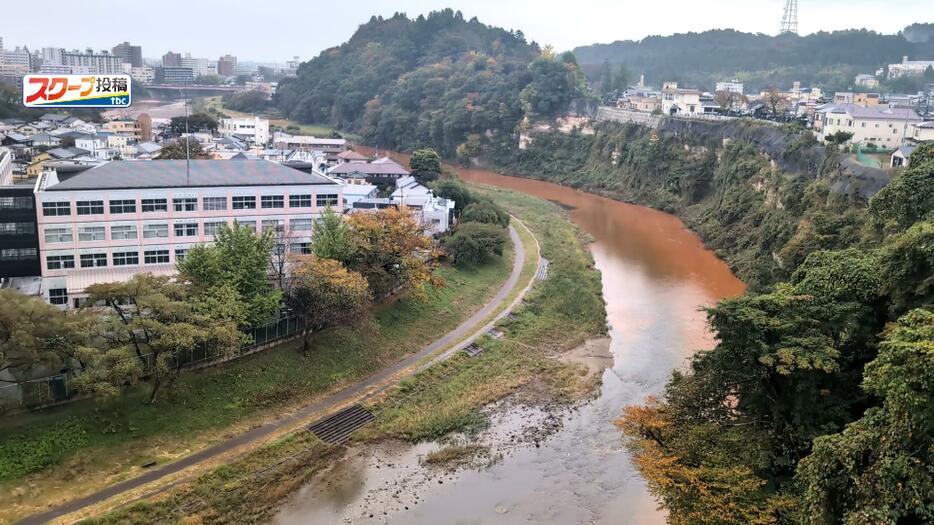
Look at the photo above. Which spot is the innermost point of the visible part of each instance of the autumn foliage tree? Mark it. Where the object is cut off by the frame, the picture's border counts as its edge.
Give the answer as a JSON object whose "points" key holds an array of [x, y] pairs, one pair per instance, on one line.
{"points": [[324, 293], [392, 250]]}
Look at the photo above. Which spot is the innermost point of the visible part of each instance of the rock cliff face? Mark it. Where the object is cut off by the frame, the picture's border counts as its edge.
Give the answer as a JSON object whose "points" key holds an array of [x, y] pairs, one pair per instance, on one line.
{"points": [[761, 195]]}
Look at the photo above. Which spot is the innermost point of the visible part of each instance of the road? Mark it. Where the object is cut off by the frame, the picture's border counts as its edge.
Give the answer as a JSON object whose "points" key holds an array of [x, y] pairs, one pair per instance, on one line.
{"points": [[463, 334]]}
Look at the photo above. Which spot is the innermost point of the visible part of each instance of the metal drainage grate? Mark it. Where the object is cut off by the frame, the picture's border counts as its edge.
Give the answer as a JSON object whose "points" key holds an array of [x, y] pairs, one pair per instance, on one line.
{"points": [[337, 428], [511, 316], [542, 272], [473, 349], [495, 333]]}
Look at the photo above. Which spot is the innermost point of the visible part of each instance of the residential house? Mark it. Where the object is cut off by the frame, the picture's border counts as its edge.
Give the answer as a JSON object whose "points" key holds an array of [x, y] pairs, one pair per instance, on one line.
{"points": [[45, 140], [381, 172], [126, 127], [351, 156], [147, 150], [861, 99], [680, 101], [356, 192], [923, 131], [435, 213], [33, 128], [901, 157], [885, 128], [37, 164], [254, 130], [330, 147]]}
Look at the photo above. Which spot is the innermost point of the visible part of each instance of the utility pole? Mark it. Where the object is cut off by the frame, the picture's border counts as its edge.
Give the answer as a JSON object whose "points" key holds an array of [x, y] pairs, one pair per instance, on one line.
{"points": [[187, 139]]}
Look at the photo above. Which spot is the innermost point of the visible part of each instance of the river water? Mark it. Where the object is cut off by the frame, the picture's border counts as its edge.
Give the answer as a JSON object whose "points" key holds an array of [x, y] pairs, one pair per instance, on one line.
{"points": [[656, 277]]}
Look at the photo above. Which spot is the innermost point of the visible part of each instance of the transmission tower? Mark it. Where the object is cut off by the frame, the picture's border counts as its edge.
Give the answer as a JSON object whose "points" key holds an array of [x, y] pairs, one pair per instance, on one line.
{"points": [[790, 18]]}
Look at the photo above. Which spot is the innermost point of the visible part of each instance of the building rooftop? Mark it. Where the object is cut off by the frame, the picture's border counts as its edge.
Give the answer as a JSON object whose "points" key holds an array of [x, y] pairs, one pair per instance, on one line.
{"points": [[173, 174], [351, 155], [871, 112], [366, 168]]}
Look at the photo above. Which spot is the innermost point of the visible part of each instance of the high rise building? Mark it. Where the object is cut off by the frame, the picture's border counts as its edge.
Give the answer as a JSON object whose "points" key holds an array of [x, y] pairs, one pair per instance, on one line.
{"points": [[14, 63], [129, 53], [201, 66], [102, 63], [227, 66], [53, 56], [171, 59]]}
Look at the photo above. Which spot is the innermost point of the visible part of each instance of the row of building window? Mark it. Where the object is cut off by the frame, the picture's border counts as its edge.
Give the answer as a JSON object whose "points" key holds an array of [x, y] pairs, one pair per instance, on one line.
{"points": [[18, 254], [187, 204], [99, 260], [55, 235], [16, 203], [131, 258], [17, 228]]}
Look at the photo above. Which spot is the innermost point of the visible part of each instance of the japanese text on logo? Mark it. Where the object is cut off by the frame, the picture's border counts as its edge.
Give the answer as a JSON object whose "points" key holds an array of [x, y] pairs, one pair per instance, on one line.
{"points": [[88, 91]]}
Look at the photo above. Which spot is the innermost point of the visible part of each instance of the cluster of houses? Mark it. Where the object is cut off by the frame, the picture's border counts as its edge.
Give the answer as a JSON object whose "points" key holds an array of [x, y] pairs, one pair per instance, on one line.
{"points": [[893, 123], [84, 203]]}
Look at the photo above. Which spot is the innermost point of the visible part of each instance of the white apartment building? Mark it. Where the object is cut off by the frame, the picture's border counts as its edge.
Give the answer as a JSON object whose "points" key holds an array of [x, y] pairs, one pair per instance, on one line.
{"points": [[14, 63], [117, 219], [884, 127], [89, 62], [909, 67], [143, 75], [253, 129], [200, 66]]}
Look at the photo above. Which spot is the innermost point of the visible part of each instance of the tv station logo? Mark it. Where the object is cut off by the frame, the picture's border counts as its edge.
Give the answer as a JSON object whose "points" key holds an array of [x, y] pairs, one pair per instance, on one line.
{"points": [[77, 91]]}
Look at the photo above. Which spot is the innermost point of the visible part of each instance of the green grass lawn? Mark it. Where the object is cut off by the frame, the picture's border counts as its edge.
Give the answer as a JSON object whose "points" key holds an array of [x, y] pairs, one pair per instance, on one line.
{"points": [[105, 440], [558, 314]]}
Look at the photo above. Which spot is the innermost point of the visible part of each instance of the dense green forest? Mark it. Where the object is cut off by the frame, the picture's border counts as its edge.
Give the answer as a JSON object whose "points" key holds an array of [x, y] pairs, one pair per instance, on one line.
{"points": [[815, 405], [828, 60], [433, 80]]}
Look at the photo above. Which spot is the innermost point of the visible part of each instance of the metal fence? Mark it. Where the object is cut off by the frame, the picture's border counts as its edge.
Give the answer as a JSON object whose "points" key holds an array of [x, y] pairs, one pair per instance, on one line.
{"points": [[59, 388]]}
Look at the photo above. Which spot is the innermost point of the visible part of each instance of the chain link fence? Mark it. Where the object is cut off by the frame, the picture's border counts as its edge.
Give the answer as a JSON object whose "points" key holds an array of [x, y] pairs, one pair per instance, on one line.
{"points": [[59, 388]]}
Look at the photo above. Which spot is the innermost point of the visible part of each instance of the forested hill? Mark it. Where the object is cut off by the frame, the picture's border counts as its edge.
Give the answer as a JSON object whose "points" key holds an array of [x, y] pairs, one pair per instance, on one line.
{"points": [[830, 60], [406, 83]]}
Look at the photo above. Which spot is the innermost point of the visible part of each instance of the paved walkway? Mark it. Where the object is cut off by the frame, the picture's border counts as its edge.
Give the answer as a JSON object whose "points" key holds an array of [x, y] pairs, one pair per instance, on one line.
{"points": [[464, 333]]}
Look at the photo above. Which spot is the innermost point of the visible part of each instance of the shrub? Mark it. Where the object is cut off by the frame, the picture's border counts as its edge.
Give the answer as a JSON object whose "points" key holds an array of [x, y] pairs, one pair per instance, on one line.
{"points": [[473, 242], [486, 212]]}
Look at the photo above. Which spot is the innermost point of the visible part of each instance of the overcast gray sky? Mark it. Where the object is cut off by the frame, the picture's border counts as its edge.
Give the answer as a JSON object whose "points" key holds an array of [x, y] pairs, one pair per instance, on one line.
{"points": [[276, 30]]}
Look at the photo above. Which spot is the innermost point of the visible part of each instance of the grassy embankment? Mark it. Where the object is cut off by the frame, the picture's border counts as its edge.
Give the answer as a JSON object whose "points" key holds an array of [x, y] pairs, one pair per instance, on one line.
{"points": [[101, 442], [558, 314], [316, 130]]}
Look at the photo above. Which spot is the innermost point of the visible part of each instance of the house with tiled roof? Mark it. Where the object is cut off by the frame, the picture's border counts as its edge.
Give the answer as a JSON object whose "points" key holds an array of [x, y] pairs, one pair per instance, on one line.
{"points": [[383, 171]]}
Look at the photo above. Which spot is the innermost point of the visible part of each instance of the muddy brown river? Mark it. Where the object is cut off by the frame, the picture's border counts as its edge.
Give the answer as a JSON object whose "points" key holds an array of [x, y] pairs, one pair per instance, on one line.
{"points": [[656, 276]]}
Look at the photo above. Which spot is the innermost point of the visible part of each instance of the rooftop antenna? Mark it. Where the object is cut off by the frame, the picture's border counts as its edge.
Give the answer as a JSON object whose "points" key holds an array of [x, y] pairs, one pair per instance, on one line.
{"points": [[790, 18]]}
